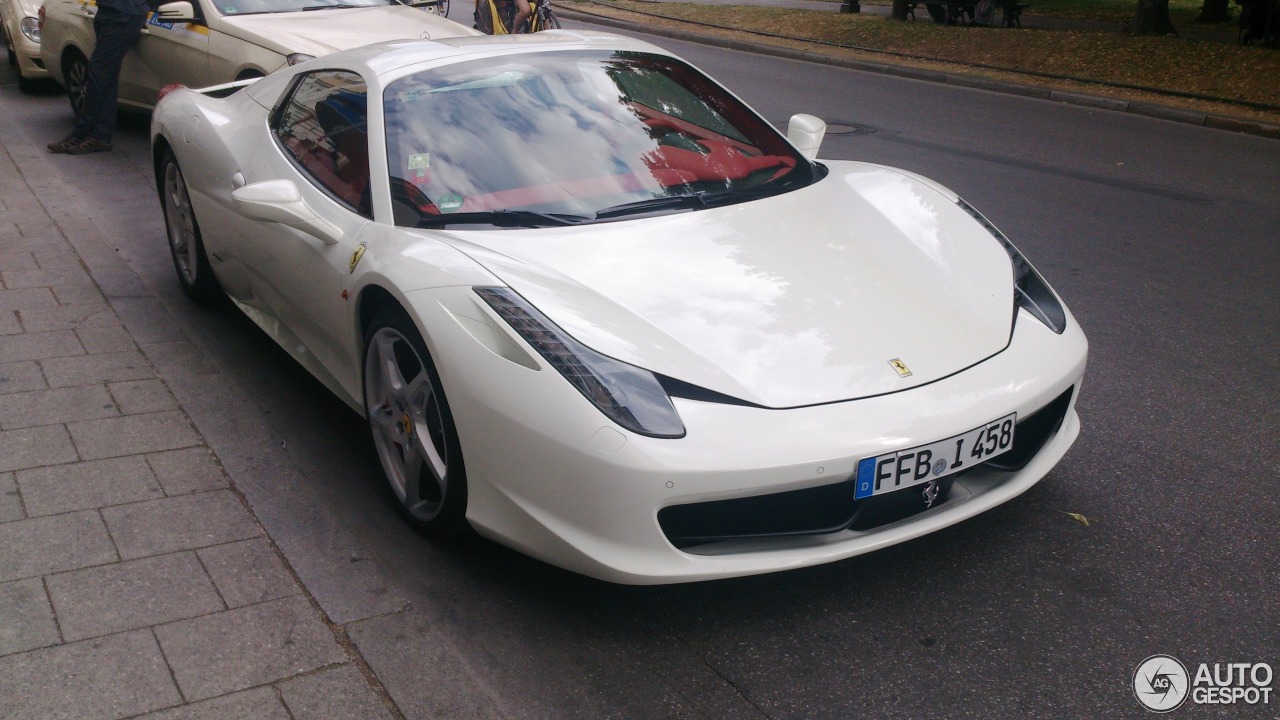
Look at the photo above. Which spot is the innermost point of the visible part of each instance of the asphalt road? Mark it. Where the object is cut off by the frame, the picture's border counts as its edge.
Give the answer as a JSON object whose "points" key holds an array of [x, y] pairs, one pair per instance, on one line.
{"points": [[1163, 239]]}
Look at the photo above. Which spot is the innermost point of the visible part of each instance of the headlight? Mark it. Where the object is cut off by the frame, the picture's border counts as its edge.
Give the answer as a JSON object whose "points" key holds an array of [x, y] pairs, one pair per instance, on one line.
{"points": [[31, 28], [1031, 292], [296, 58], [627, 395]]}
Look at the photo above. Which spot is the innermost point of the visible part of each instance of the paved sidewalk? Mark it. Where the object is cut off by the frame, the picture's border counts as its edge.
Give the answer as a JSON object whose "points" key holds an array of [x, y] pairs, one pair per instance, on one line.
{"points": [[134, 579]]}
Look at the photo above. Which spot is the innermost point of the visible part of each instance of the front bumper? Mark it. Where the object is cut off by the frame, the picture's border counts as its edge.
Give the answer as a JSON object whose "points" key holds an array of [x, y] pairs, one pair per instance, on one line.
{"points": [[550, 476], [30, 64]]}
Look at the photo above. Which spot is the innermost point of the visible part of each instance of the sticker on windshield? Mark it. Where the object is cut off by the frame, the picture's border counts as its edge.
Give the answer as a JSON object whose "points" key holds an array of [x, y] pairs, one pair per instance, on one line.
{"points": [[420, 161], [230, 10], [449, 203]]}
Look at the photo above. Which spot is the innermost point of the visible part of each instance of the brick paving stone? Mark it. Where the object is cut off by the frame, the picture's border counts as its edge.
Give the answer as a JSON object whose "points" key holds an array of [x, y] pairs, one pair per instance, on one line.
{"points": [[21, 377], [108, 599], [17, 262], [38, 346], [59, 405], [9, 324], [33, 276], [257, 704], [10, 501], [35, 245], [132, 434], [187, 471], [91, 369], [39, 546], [26, 621], [68, 317], [99, 340], [340, 693], [106, 678], [58, 257], [85, 485], [181, 523], [35, 447], [248, 572], [23, 298], [249, 646], [142, 396], [75, 294]]}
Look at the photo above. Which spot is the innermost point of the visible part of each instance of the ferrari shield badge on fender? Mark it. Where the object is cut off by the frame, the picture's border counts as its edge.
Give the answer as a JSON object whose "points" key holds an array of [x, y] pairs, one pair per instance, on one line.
{"points": [[899, 366], [355, 258]]}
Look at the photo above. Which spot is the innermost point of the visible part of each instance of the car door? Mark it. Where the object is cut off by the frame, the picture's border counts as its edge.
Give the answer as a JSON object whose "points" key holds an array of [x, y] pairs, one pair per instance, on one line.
{"points": [[322, 144], [167, 52]]}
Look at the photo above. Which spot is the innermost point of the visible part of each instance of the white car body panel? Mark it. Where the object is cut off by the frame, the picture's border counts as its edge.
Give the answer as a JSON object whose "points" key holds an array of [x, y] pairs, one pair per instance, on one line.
{"points": [[762, 306], [753, 309], [27, 52], [219, 48]]}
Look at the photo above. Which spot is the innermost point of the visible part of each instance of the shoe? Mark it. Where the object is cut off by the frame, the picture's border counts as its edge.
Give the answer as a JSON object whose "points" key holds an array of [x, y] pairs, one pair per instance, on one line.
{"points": [[64, 144], [88, 145]]}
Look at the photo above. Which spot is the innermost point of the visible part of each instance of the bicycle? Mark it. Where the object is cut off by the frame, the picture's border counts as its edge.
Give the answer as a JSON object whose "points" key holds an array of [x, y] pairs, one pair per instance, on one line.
{"points": [[542, 17], [494, 17]]}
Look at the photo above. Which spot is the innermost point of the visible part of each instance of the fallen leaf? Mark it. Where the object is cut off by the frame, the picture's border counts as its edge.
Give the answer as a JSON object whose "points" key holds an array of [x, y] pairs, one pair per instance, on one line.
{"points": [[1078, 518]]}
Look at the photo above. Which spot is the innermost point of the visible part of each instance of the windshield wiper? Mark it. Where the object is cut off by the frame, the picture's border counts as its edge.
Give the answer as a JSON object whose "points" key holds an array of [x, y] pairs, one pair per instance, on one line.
{"points": [[339, 6], [693, 201], [502, 218], [666, 202]]}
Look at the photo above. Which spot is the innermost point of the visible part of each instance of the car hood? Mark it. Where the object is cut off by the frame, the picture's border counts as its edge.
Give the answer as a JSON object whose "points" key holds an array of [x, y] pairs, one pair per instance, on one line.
{"points": [[322, 32], [797, 299]]}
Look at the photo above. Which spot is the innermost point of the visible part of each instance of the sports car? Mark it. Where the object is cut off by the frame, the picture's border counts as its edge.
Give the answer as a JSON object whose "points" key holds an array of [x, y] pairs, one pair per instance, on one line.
{"points": [[202, 42], [596, 308]]}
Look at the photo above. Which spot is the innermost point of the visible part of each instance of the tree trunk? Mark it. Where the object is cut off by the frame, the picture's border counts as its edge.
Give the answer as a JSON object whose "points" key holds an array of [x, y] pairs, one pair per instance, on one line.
{"points": [[1213, 11], [899, 10], [1152, 18]]}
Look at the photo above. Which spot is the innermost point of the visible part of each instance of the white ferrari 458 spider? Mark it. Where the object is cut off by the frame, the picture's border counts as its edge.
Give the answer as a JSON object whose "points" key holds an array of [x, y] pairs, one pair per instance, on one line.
{"points": [[595, 307]]}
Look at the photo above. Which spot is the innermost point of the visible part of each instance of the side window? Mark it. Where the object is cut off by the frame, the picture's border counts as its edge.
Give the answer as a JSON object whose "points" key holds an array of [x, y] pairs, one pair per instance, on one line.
{"points": [[323, 128]]}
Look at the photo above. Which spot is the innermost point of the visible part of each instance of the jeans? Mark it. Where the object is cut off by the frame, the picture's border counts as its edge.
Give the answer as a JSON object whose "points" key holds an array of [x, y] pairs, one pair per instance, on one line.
{"points": [[115, 33]]}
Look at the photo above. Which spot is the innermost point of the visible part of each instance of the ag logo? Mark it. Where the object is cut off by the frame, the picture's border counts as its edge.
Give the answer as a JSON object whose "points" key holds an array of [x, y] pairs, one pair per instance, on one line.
{"points": [[1161, 683]]}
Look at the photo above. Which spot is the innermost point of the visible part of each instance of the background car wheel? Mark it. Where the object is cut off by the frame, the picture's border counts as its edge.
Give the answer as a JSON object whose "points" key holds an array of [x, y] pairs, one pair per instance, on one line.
{"points": [[8, 46], [412, 427], [75, 70], [189, 258]]}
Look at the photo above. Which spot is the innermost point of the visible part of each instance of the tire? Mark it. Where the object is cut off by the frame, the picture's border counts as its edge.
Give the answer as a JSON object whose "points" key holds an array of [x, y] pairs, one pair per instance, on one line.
{"points": [[550, 21], [444, 8], [8, 46], [185, 244], [412, 427], [75, 71]]}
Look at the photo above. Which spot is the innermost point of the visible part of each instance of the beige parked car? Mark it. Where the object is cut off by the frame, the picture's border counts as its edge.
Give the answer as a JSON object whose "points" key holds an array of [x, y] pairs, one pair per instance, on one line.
{"points": [[22, 40], [200, 43]]}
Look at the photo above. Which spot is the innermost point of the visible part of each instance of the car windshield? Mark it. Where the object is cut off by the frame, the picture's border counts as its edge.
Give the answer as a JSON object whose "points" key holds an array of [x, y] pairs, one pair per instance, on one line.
{"points": [[252, 7], [566, 137]]}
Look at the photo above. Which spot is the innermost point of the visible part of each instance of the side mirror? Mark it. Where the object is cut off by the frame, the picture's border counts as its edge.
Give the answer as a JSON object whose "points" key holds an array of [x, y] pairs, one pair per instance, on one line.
{"points": [[806, 133], [279, 201], [176, 12]]}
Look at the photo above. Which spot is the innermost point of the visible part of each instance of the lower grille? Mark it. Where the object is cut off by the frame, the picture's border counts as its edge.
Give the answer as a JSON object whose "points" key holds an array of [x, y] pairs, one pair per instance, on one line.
{"points": [[832, 508]]}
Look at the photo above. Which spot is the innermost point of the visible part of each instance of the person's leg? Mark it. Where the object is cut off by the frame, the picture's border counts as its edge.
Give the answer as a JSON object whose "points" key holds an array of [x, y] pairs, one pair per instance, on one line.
{"points": [[115, 33], [523, 11]]}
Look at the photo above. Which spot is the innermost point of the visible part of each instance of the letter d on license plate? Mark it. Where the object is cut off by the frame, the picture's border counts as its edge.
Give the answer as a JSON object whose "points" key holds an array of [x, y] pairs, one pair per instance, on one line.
{"points": [[904, 468]]}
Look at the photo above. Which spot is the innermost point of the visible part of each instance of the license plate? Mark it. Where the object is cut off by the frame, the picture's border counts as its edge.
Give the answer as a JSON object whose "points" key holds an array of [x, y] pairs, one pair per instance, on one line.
{"points": [[922, 463]]}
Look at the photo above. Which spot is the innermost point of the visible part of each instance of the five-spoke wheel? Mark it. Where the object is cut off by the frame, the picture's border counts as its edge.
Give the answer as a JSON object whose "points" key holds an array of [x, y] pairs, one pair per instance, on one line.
{"points": [[411, 425], [185, 245]]}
